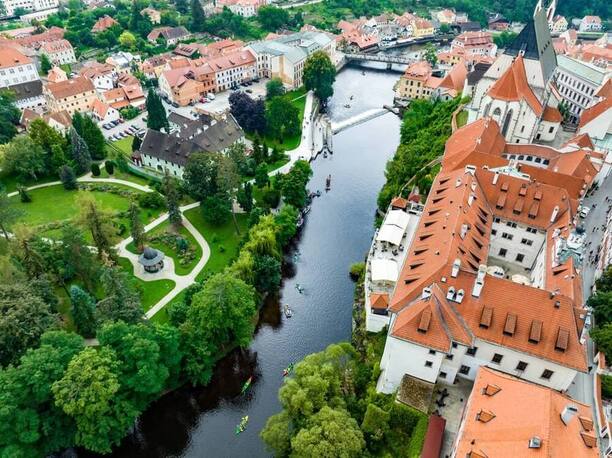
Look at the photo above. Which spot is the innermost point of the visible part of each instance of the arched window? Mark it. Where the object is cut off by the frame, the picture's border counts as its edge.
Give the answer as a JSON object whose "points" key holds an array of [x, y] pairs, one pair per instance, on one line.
{"points": [[507, 120], [487, 109], [497, 114]]}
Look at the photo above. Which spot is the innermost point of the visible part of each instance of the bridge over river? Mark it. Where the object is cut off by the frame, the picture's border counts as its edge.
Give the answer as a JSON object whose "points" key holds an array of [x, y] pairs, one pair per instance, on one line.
{"points": [[389, 59]]}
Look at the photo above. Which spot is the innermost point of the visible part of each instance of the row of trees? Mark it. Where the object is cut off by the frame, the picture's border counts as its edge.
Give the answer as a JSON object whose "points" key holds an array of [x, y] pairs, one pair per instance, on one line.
{"points": [[43, 151], [601, 303], [425, 129]]}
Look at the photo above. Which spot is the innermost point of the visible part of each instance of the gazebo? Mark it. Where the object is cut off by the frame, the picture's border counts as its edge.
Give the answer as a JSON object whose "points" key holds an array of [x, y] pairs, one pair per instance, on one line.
{"points": [[151, 259]]}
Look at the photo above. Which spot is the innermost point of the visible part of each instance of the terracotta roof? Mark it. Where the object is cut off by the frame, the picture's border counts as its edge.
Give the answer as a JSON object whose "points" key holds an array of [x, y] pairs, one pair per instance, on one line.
{"points": [[479, 137], [600, 107], [523, 412], [56, 46], [420, 70], [399, 202], [10, 57], [455, 78], [379, 300], [99, 108], [513, 86], [103, 23], [581, 140], [70, 87], [552, 115]]}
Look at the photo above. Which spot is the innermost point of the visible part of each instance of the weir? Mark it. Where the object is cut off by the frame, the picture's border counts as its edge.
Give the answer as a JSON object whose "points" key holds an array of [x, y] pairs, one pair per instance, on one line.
{"points": [[357, 119]]}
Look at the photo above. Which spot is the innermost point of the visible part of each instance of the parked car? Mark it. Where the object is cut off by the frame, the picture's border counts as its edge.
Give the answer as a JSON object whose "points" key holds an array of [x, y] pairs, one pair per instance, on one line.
{"points": [[210, 96]]}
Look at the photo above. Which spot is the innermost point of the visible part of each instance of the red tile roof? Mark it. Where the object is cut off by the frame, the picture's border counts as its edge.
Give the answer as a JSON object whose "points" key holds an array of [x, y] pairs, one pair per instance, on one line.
{"points": [[513, 86]]}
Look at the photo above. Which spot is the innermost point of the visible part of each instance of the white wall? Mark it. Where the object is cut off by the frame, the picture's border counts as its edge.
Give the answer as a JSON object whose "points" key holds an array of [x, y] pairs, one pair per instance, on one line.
{"points": [[18, 74], [162, 165], [510, 238]]}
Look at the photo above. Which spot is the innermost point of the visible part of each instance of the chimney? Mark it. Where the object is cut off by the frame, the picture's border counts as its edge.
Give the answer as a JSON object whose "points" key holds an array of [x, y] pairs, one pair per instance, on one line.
{"points": [[470, 199], [456, 267], [457, 182], [450, 295], [479, 282], [426, 292], [459, 297], [464, 229], [555, 212], [568, 413], [495, 177]]}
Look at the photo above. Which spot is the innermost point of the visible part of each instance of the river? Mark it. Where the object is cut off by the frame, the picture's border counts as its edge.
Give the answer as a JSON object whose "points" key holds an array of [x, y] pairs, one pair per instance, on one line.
{"points": [[200, 422]]}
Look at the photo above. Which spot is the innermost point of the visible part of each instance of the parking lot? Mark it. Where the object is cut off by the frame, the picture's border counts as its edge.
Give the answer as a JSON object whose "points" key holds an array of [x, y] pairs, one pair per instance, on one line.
{"points": [[128, 127]]}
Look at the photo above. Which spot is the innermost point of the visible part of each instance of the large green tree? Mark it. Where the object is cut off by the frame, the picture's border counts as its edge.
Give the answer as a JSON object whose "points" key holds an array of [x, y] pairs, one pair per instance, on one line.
{"points": [[8, 213], [170, 187], [24, 317], [51, 141], [274, 88], [83, 309], [156, 118], [121, 301], [9, 116], [91, 134], [97, 222], [88, 393], [136, 226], [221, 315], [198, 18], [23, 158], [319, 75], [201, 174], [282, 118], [80, 153], [272, 18], [30, 423]]}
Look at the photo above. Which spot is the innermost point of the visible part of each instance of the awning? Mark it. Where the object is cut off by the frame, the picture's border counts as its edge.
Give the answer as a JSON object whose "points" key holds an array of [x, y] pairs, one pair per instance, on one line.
{"points": [[397, 218], [384, 270], [390, 234]]}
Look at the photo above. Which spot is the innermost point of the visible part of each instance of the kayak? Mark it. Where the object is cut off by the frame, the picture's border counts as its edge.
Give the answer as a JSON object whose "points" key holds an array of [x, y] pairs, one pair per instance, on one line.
{"points": [[287, 370], [240, 427], [246, 385]]}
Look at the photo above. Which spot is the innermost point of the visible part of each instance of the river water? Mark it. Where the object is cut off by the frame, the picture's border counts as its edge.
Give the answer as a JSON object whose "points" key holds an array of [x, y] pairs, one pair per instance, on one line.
{"points": [[200, 422]]}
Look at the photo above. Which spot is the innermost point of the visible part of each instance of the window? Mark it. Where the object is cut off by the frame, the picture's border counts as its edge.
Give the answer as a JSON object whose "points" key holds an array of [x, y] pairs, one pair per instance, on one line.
{"points": [[449, 356], [507, 236], [472, 351], [496, 220], [464, 370], [527, 242], [428, 363], [520, 257], [502, 252], [550, 131], [493, 231], [497, 358], [442, 375], [533, 230], [454, 344], [547, 374], [521, 366], [432, 352], [511, 224]]}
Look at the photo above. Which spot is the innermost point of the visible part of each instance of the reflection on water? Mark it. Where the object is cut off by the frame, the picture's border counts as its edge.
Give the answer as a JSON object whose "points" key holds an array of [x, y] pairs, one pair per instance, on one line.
{"points": [[200, 422]]}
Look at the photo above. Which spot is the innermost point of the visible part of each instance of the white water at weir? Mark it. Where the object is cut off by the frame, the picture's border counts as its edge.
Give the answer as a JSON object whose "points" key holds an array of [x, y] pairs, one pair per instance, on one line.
{"points": [[357, 119]]}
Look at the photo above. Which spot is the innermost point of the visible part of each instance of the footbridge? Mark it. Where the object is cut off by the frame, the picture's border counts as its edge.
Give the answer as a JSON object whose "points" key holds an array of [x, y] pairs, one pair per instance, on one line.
{"points": [[357, 119], [389, 59]]}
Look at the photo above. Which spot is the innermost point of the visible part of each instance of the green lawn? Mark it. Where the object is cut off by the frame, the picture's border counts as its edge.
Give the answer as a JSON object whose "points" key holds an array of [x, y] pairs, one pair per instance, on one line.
{"points": [[119, 175], [150, 291], [170, 251], [10, 183], [55, 204], [223, 240], [298, 98], [125, 144], [462, 118]]}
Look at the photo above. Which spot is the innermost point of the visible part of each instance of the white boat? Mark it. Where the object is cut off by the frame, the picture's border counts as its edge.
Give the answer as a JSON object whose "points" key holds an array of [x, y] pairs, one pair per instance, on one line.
{"points": [[288, 311]]}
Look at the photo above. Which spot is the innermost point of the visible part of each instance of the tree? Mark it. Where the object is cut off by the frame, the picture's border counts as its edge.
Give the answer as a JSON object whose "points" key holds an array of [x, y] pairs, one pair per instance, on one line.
{"points": [[200, 175], [109, 166], [93, 137], [274, 88], [319, 75], [92, 381], [250, 114], [8, 213], [31, 423], [127, 40], [83, 309], [156, 119], [23, 158], [602, 336], [330, 432], [282, 118], [245, 197], [216, 209], [181, 6], [80, 153], [261, 176], [228, 182], [272, 18], [136, 227], [430, 54], [286, 222], [136, 143], [24, 317], [9, 116], [51, 141], [267, 271], [375, 422], [198, 18], [277, 434], [75, 258], [45, 64], [444, 28], [604, 283], [97, 222], [95, 170], [170, 188], [121, 301], [221, 315], [293, 184], [68, 178], [601, 302]]}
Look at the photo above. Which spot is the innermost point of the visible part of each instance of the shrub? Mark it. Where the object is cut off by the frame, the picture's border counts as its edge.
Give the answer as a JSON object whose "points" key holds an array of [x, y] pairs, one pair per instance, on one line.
{"points": [[95, 170], [418, 437], [356, 271], [109, 166], [151, 200], [216, 210], [271, 198], [24, 196], [606, 386], [68, 178], [375, 422]]}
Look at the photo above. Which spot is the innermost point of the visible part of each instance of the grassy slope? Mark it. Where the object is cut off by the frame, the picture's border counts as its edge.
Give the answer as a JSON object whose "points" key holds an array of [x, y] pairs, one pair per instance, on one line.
{"points": [[150, 291]]}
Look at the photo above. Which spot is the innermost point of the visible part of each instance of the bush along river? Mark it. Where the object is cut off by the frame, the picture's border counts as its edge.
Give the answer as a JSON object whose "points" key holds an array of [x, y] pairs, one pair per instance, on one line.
{"points": [[201, 422]]}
